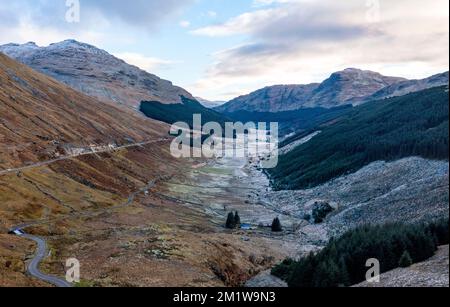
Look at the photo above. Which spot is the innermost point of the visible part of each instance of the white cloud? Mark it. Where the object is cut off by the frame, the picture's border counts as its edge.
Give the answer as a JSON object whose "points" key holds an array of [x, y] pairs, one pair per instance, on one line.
{"points": [[146, 63], [245, 23], [302, 41], [185, 24]]}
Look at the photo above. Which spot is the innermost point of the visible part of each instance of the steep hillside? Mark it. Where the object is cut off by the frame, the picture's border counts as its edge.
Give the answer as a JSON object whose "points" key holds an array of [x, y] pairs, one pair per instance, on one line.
{"points": [[96, 73], [415, 124], [410, 189], [42, 118], [430, 273], [271, 99], [406, 87], [338, 90]]}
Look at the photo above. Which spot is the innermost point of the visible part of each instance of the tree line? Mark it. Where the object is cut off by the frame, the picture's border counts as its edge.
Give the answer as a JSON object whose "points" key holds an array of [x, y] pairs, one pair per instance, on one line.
{"points": [[343, 261]]}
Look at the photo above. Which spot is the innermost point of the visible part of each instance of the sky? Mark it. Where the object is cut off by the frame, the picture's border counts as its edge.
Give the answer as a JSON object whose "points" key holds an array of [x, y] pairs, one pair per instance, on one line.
{"points": [[220, 49]]}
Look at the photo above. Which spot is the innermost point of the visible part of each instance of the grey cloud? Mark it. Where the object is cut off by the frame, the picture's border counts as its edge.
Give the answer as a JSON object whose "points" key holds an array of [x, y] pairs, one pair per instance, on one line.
{"points": [[309, 24], [145, 13], [300, 31], [140, 13]]}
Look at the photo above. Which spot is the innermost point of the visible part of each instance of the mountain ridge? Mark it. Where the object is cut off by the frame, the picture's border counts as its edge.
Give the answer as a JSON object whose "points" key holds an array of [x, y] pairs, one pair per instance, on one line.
{"points": [[96, 73], [351, 86]]}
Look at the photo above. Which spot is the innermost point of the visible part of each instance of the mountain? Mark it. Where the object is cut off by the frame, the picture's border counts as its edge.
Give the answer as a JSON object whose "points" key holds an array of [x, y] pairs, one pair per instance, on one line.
{"points": [[209, 103], [106, 206], [408, 86], [41, 117], [338, 90], [412, 125], [96, 73], [277, 98]]}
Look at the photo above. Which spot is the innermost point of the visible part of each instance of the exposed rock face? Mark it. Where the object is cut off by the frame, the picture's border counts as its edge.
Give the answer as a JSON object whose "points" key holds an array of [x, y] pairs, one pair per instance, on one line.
{"points": [[96, 72], [407, 190], [266, 280], [340, 89]]}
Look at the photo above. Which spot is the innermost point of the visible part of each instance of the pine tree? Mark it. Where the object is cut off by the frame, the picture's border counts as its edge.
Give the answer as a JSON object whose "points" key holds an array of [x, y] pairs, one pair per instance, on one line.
{"points": [[237, 220], [230, 221], [405, 260], [276, 225]]}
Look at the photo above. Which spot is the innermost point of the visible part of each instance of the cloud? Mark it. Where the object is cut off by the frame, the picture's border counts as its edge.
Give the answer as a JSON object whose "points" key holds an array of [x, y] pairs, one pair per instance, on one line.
{"points": [[185, 24], [146, 13], [301, 41], [20, 18], [146, 63]]}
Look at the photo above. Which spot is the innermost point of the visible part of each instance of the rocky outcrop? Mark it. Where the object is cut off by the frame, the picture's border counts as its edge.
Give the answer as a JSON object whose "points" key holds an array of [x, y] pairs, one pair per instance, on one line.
{"points": [[95, 72], [407, 190], [266, 280]]}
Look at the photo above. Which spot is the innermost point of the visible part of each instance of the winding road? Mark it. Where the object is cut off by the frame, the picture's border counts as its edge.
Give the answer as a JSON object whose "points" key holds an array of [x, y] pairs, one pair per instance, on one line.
{"points": [[44, 163], [41, 254], [42, 249]]}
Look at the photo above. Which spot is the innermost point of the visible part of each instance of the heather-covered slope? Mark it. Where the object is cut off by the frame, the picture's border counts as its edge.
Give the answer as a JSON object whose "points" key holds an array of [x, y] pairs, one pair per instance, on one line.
{"points": [[41, 117]]}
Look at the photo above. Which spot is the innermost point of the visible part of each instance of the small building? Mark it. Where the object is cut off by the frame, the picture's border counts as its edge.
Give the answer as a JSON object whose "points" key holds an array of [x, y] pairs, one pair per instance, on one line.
{"points": [[16, 232]]}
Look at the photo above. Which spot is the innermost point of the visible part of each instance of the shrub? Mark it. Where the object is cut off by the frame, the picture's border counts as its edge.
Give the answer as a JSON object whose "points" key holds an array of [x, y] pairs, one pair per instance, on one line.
{"points": [[276, 225], [321, 211], [230, 224], [237, 220]]}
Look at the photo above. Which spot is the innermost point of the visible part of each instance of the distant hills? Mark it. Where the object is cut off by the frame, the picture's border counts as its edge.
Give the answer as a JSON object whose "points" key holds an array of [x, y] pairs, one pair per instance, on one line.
{"points": [[209, 103], [348, 87], [95, 72]]}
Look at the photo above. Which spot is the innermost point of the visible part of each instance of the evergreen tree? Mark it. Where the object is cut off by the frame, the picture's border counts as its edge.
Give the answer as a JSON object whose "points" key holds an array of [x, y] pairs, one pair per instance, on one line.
{"points": [[230, 224], [406, 260], [276, 225], [237, 220]]}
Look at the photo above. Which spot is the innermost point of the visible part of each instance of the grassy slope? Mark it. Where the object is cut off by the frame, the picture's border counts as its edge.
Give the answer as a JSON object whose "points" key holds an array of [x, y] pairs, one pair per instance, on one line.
{"points": [[411, 125]]}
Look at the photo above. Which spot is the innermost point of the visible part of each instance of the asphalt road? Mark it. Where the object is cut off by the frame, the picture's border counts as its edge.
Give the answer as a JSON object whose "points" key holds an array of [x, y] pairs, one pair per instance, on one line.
{"points": [[42, 250], [44, 163], [41, 254]]}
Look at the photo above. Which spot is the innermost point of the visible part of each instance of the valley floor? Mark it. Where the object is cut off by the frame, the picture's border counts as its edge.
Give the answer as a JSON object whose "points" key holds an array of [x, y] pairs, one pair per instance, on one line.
{"points": [[173, 233]]}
